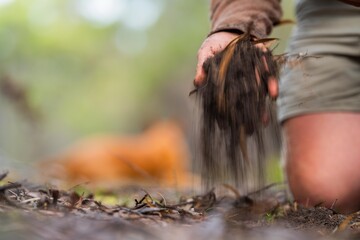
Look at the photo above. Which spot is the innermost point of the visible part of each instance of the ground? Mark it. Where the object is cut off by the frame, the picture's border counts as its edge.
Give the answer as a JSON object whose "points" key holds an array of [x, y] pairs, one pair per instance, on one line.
{"points": [[29, 211]]}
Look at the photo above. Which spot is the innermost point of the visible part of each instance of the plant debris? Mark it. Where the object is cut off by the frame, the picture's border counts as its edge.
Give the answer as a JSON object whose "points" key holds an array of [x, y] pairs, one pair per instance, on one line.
{"points": [[235, 101], [36, 212]]}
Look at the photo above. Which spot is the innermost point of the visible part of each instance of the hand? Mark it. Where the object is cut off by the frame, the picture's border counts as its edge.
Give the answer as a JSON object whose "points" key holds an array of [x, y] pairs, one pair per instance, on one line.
{"points": [[213, 44], [216, 43]]}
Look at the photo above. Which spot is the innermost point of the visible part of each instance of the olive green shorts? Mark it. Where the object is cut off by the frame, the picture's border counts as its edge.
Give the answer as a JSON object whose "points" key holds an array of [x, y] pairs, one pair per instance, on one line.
{"points": [[319, 83]]}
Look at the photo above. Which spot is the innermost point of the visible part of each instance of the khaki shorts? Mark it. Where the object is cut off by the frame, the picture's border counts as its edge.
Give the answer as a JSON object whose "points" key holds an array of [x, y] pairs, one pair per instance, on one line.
{"points": [[329, 29], [323, 83]]}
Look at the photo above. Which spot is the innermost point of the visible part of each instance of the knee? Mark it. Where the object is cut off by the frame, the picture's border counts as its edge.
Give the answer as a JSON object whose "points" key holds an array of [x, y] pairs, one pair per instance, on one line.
{"points": [[323, 159], [313, 185]]}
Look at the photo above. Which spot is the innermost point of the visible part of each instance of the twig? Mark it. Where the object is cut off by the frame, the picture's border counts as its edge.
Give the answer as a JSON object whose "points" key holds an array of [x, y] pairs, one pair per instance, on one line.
{"points": [[266, 188], [4, 175], [9, 186]]}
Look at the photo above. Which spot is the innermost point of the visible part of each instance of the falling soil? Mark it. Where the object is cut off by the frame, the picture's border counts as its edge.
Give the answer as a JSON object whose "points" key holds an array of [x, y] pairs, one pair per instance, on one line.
{"points": [[234, 104]]}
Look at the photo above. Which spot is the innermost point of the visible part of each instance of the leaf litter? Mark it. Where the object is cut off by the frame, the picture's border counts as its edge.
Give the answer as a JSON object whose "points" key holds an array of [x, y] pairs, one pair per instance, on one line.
{"points": [[39, 212]]}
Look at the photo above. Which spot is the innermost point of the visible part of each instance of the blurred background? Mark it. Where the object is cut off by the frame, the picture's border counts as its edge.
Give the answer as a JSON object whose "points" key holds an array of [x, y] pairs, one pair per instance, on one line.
{"points": [[70, 69]]}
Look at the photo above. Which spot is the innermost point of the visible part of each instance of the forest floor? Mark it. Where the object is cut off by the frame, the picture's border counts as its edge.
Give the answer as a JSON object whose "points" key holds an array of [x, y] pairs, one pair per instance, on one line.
{"points": [[29, 211]]}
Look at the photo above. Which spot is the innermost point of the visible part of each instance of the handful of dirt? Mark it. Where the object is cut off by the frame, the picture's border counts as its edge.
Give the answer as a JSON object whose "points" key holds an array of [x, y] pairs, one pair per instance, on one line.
{"points": [[234, 103]]}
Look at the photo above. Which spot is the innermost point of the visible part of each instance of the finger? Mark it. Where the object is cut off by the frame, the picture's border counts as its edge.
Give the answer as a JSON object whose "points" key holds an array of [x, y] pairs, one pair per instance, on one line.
{"points": [[200, 74], [199, 77], [265, 63], [265, 119], [273, 87], [257, 76], [262, 47]]}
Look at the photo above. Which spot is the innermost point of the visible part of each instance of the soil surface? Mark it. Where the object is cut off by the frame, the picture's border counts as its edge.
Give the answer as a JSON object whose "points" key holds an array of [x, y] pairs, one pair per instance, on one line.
{"points": [[29, 211]]}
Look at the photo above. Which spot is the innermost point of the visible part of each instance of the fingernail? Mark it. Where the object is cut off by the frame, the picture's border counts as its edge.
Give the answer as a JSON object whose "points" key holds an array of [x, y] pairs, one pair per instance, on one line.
{"points": [[273, 87]]}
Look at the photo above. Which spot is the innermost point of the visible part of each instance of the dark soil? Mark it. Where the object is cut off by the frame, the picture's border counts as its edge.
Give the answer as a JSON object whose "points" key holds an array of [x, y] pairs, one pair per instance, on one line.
{"points": [[234, 101], [39, 212]]}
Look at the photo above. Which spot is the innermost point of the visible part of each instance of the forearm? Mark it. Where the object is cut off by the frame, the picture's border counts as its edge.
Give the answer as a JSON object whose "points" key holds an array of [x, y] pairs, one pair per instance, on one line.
{"points": [[256, 16]]}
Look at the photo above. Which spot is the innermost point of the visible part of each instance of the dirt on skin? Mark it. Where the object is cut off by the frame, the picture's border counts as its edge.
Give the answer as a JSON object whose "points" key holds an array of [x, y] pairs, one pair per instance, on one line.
{"points": [[235, 103], [28, 211]]}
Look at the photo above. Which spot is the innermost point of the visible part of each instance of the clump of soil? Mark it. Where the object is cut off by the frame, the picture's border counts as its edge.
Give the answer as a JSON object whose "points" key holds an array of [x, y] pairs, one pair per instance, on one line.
{"points": [[234, 101]]}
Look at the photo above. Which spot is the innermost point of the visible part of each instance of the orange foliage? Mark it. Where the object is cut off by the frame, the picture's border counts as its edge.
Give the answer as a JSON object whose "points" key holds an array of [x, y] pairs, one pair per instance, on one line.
{"points": [[158, 156]]}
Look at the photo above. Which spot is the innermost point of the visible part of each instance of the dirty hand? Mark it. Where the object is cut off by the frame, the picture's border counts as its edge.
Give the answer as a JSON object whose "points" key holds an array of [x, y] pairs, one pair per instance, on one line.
{"points": [[216, 43]]}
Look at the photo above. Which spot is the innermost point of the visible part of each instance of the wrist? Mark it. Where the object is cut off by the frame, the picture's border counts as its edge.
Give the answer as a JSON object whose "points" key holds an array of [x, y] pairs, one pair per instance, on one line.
{"points": [[230, 30]]}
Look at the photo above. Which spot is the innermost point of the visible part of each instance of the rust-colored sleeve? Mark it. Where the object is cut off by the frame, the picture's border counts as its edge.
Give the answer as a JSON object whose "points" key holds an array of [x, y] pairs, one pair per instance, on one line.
{"points": [[257, 16], [355, 3]]}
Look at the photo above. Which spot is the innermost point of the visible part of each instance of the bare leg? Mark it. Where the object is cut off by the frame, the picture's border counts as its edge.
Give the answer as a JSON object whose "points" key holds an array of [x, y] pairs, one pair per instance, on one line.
{"points": [[323, 159]]}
